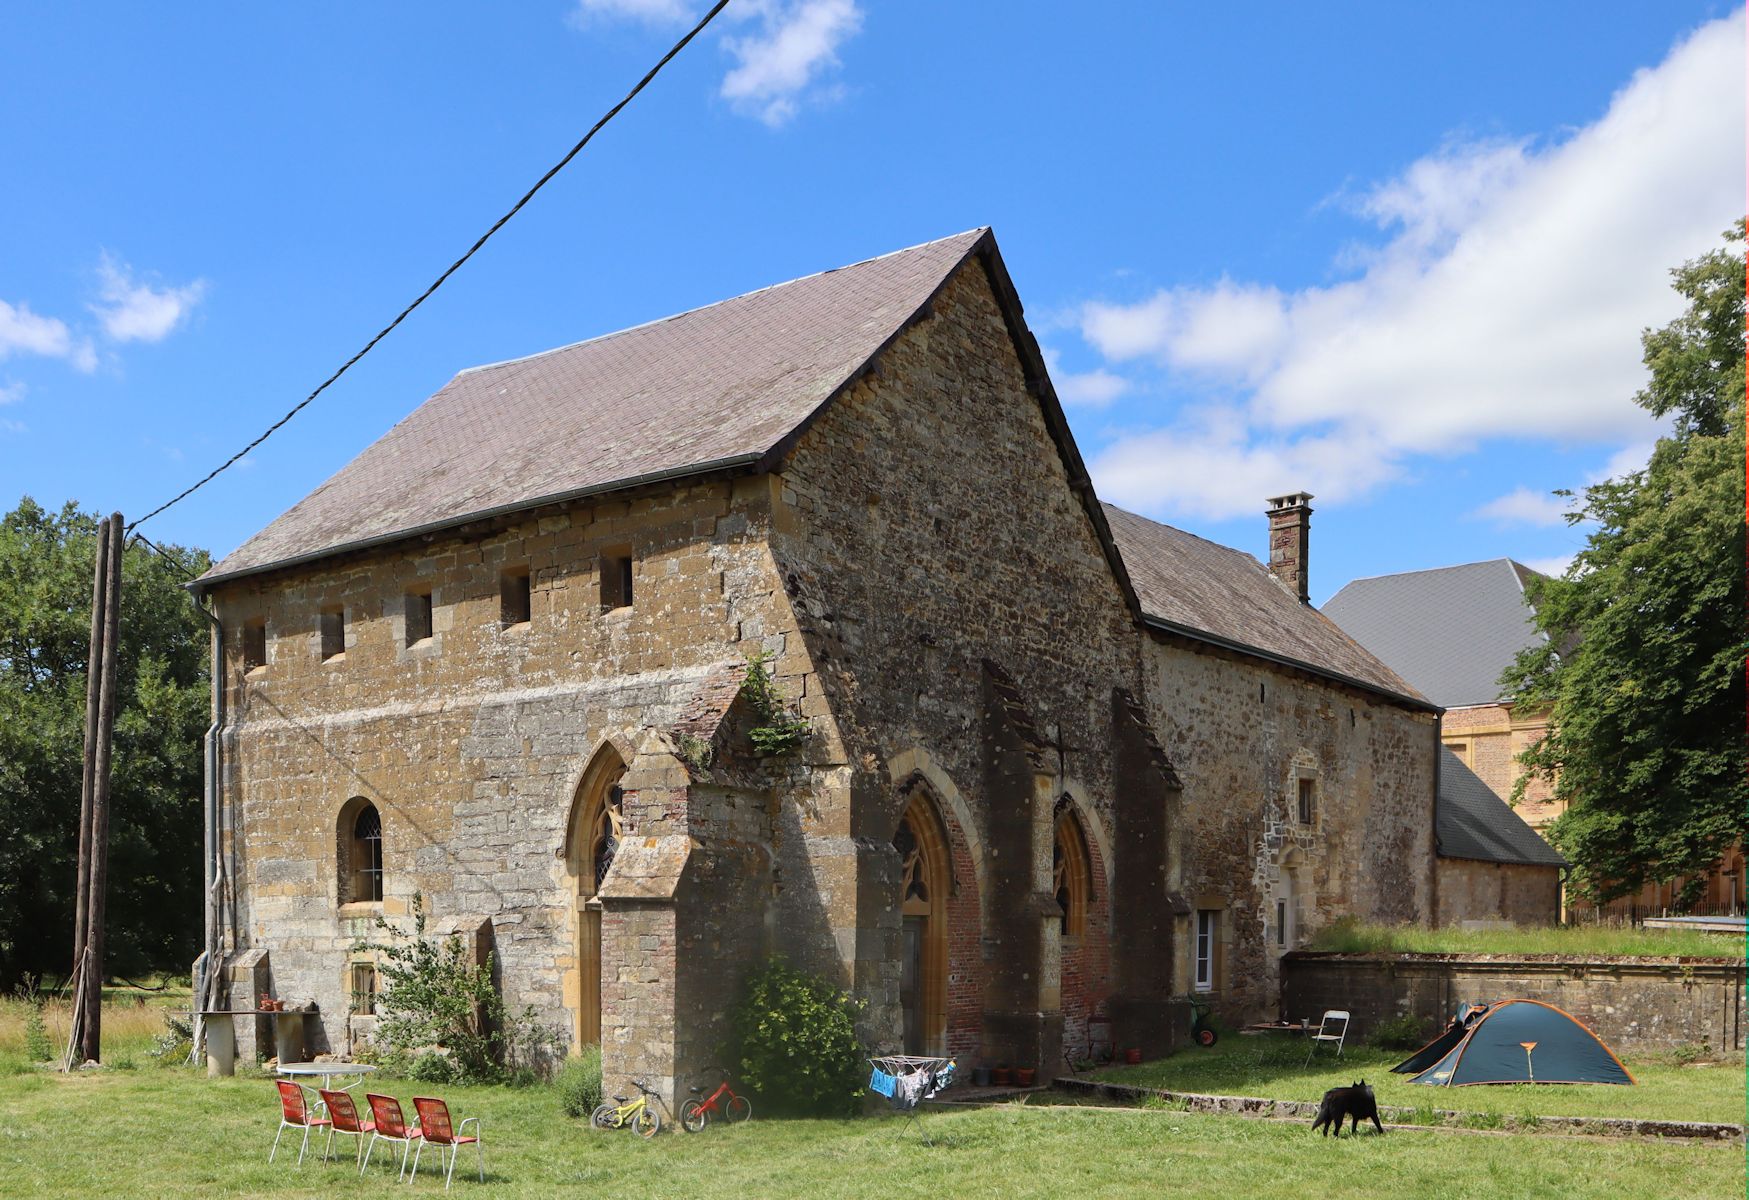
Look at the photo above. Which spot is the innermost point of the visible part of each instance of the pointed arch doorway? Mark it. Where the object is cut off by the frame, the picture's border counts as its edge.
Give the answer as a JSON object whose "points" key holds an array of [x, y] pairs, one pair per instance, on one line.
{"points": [[923, 888], [597, 823]]}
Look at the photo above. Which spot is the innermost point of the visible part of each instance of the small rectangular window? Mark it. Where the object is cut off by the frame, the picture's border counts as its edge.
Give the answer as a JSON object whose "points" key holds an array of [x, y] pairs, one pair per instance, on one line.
{"points": [[1308, 802], [616, 580], [513, 598], [254, 645], [1207, 926], [364, 989], [1281, 922], [333, 623], [418, 616]]}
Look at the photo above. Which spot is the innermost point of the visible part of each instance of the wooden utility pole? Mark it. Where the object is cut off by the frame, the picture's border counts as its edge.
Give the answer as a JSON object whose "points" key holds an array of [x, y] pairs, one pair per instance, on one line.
{"points": [[85, 1040], [93, 688]]}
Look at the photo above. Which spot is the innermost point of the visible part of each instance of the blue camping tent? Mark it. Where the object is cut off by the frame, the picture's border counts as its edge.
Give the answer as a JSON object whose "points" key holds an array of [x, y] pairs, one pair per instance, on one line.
{"points": [[1526, 1041], [1440, 1046]]}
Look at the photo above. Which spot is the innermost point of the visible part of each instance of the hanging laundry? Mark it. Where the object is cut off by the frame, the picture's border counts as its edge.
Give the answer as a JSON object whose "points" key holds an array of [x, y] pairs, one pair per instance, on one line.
{"points": [[881, 1083]]}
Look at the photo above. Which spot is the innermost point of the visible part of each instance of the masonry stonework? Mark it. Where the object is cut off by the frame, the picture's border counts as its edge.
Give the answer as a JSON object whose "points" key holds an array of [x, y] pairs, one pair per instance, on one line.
{"points": [[933, 583]]}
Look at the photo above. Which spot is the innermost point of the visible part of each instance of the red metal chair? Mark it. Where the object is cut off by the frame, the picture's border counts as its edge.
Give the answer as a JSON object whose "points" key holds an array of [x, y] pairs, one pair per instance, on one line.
{"points": [[294, 1113], [434, 1124], [343, 1118], [390, 1126]]}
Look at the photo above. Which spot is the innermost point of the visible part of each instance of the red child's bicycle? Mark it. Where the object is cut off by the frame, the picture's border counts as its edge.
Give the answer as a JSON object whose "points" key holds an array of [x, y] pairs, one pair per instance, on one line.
{"points": [[725, 1102]]}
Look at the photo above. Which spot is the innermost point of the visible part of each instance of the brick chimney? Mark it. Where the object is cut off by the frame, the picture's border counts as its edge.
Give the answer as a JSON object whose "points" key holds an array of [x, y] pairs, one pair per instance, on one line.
{"points": [[1290, 526]]}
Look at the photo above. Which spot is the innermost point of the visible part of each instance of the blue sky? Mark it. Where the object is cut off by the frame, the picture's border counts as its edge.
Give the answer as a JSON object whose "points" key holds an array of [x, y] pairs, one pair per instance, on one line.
{"points": [[1398, 256]]}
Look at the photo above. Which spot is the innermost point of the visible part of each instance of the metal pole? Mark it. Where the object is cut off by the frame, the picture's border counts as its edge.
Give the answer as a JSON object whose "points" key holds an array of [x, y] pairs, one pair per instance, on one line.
{"points": [[93, 1032]]}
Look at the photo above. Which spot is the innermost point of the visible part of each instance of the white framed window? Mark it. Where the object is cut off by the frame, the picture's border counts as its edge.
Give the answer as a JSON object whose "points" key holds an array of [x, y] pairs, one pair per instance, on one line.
{"points": [[1208, 923]]}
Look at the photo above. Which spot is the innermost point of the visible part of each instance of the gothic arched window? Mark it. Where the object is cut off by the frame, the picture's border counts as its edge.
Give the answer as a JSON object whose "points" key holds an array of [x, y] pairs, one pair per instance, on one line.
{"points": [[1070, 871], [361, 852]]}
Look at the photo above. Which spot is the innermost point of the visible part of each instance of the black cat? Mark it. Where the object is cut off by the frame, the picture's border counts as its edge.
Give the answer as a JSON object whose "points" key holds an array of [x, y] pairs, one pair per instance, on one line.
{"points": [[1355, 1101]]}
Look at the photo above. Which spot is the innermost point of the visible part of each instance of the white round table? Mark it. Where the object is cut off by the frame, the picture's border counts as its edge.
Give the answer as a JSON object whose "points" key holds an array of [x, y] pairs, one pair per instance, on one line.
{"points": [[329, 1071]]}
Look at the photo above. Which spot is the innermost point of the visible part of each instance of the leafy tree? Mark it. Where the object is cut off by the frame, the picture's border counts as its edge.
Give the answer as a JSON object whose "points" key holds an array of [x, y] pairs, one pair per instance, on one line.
{"points": [[154, 907], [1643, 668]]}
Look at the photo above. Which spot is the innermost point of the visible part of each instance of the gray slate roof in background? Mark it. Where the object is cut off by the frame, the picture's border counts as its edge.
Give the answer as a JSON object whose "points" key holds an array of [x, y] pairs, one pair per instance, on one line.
{"points": [[1472, 822], [1203, 587], [1450, 631], [717, 384]]}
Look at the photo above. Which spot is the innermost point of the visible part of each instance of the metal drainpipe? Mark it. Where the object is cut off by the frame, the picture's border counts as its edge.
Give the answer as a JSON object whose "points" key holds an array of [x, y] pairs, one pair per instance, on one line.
{"points": [[1433, 832], [210, 803]]}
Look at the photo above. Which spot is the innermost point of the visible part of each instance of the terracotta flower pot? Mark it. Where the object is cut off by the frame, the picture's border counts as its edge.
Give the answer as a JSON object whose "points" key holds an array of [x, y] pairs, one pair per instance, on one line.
{"points": [[1024, 1076], [1133, 1055], [999, 1077]]}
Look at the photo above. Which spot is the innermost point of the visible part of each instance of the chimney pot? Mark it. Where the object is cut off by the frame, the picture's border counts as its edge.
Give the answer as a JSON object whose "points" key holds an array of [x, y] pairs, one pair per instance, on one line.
{"points": [[1290, 524]]}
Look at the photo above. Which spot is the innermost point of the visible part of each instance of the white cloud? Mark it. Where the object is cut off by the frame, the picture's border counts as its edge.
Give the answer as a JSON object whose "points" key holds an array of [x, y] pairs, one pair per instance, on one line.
{"points": [[1555, 565], [1504, 302], [1084, 389], [11, 393], [1209, 465], [24, 332], [131, 311], [796, 43], [1521, 506], [10, 426]]}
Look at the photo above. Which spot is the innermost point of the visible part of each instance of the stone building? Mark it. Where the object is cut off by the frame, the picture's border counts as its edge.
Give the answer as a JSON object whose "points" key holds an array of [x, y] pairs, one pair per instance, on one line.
{"points": [[1062, 764]]}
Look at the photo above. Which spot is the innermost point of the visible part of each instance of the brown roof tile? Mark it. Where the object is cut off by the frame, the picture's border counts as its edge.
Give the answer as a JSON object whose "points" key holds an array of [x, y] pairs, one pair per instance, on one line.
{"points": [[1207, 590], [720, 385]]}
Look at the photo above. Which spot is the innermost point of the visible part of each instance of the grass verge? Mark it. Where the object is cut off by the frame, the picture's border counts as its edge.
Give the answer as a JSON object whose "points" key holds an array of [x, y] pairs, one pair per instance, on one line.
{"points": [[1259, 1066], [167, 1132]]}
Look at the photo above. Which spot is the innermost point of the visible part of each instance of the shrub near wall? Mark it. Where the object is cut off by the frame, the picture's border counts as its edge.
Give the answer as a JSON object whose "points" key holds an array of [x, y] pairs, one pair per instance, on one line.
{"points": [[798, 1047]]}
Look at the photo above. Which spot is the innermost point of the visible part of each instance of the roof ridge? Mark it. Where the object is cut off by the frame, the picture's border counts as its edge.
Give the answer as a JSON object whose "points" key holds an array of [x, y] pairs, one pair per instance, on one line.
{"points": [[675, 316], [1480, 562]]}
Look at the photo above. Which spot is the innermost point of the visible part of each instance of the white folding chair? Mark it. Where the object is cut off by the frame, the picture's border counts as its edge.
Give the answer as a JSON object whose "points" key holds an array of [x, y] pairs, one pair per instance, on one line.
{"points": [[1333, 1018]]}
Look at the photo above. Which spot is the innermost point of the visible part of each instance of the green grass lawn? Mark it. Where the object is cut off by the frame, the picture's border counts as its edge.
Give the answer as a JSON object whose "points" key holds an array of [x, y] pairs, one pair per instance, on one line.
{"points": [[1273, 1066], [1589, 941], [171, 1132]]}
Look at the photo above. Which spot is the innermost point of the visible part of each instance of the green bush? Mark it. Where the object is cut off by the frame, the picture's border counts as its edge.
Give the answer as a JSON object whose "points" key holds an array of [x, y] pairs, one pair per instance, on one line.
{"points": [[431, 1067], [36, 1035], [780, 729], [435, 997], [579, 1083], [175, 1043], [798, 1049], [1404, 1032]]}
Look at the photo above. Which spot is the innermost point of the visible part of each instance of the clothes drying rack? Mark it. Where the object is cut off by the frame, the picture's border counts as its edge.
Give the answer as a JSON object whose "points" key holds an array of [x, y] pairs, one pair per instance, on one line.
{"points": [[938, 1071]]}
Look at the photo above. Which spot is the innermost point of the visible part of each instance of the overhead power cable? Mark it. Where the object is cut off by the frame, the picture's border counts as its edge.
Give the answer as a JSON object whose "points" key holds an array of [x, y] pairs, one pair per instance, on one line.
{"points": [[451, 269]]}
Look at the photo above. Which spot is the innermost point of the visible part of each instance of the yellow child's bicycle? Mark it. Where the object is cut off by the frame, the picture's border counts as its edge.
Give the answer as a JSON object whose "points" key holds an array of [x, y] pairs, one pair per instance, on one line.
{"points": [[636, 1115]]}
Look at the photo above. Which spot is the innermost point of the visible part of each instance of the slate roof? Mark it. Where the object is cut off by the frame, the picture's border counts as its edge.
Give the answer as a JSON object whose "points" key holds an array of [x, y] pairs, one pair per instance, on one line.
{"points": [[1202, 589], [1450, 631], [717, 387], [1472, 822]]}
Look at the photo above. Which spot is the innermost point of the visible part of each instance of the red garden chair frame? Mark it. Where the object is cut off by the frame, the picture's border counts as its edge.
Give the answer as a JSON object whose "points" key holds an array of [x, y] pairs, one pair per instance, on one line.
{"points": [[438, 1131], [343, 1118], [389, 1125], [295, 1112]]}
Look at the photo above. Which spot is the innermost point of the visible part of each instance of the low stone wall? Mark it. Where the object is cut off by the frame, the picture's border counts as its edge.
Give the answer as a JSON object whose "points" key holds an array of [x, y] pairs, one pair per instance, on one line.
{"points": [[1634, 1004], [1441, 1118]]}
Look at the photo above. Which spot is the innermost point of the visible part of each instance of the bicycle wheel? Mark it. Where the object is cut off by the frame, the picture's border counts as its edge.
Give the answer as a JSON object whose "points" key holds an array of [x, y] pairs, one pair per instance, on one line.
{"points": [[738, 1109], [694, 1116], [648, 1123], [604, 1117]]}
